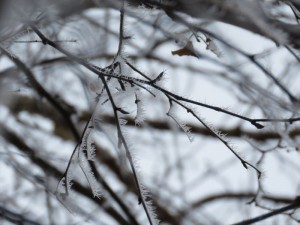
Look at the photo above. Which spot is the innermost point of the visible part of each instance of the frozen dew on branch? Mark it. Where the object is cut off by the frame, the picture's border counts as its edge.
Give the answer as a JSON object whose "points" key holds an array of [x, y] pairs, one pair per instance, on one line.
{"points": [[91, 146], [122, 93], [186, 129], [140, 111], [89, 174], [144, 194], [63, 190], [88, 144], [65, 194], [149, 205]]}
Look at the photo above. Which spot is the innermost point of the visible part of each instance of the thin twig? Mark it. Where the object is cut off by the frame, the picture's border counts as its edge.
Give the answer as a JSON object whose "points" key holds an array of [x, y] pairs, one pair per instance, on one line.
{"points": [[275, 212]]}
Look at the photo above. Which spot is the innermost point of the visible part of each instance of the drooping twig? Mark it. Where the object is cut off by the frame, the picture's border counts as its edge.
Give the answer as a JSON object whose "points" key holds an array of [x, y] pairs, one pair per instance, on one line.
{"points": [[244, 162]]}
